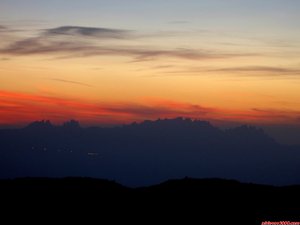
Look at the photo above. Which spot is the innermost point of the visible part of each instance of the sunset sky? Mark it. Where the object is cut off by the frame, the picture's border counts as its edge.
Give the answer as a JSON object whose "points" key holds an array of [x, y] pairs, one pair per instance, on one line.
{"points": [[106, 62]]}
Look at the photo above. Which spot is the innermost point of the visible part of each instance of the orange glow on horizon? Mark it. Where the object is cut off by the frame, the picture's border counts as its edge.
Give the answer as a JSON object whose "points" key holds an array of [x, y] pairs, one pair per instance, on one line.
{"points": [[116, 76], [21, 108]]}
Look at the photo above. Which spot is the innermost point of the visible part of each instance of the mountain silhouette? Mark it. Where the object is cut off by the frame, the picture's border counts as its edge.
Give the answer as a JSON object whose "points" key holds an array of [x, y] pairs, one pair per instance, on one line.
{"points": [[147, 153]]}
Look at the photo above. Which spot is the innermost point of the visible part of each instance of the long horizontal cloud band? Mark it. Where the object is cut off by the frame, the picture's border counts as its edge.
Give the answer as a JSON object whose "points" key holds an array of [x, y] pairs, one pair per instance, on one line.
{"points": [[89, 32], [17, 108], [253, 71], [90, 41], [77, 41]]}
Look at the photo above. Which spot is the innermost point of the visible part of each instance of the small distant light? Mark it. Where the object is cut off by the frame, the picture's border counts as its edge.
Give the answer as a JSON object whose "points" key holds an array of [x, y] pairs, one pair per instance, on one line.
{"points": [[93, 154]]}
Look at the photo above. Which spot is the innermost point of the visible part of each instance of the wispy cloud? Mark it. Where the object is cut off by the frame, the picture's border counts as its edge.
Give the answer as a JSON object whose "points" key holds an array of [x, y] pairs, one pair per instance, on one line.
{"points": [[16, 107], [259, 70], [246, 71], [5, 31], [279, 115], [70, 82], [89, 32], [71, 49], [57, 41], [8, 30]]}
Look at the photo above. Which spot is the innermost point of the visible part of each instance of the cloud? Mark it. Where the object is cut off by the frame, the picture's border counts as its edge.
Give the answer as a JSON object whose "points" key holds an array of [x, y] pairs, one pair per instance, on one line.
{"points": [[259, 70], [159, 108], [276, 113], [16, 108], [71, 82], [89, 32], [38, 45], [183, 54], [250, 71], [75, 48], [5, 31], [56, 42], [8, 30]]}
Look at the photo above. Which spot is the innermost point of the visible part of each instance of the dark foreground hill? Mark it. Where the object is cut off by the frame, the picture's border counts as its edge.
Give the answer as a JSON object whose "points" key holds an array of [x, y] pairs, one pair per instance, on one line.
{"points": [[188, 201]]}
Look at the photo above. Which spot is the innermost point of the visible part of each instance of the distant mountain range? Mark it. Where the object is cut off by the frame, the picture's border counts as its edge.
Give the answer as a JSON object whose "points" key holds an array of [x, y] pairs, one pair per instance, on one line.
{"points": [[147, 153]]}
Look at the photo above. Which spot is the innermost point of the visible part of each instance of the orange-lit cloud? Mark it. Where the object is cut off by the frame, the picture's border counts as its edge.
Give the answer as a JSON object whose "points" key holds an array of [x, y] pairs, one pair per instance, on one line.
{"points": [[247, 71], [20, 108], [70, 82]]}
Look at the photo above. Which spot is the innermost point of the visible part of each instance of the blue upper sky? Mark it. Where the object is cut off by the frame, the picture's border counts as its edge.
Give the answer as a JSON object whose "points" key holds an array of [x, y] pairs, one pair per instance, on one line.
{"points": [[235, 15]]}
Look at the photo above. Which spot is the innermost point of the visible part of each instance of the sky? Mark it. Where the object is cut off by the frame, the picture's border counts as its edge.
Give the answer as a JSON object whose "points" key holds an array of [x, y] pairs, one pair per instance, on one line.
{"points": [[107, 62]]}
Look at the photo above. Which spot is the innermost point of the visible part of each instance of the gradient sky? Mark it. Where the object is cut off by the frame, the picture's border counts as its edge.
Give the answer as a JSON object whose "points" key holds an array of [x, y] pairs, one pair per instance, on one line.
{"points": [[118, 61]]}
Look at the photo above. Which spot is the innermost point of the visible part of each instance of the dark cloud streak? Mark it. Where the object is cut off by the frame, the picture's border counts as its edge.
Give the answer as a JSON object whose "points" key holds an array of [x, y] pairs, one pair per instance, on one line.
{"points": [[158, 110], [89, 32], [57, 41], [70, 82], [75, 48], [260, 69], [247, 71]]}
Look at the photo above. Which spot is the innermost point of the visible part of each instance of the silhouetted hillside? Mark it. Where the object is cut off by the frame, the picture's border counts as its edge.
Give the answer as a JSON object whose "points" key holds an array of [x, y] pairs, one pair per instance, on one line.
{"points": [[69, 184], [198, 201], [228, 201], [147, 153]]}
